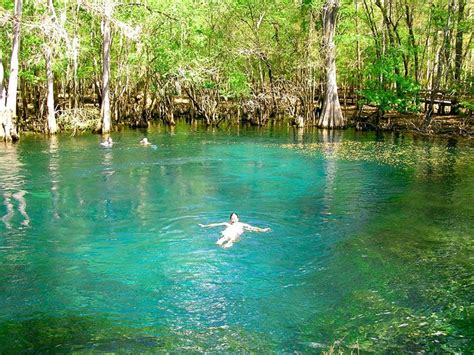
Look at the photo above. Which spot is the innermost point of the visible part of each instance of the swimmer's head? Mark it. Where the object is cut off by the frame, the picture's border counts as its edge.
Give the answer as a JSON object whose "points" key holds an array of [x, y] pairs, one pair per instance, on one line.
{"points": [[233, 217]]}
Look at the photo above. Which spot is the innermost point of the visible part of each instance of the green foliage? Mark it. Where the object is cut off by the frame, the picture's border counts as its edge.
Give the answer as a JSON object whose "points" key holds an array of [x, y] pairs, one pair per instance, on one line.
{"points": [[32, 75], [163, 61], [389, 90], [234, 45], [238, 85], [439, 14], [468, 105], [7, 5]]}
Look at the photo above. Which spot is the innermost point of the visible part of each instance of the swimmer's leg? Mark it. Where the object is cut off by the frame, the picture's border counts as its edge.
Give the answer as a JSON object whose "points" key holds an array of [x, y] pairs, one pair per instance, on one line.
{"points": [[222, 240], [228, 244]]}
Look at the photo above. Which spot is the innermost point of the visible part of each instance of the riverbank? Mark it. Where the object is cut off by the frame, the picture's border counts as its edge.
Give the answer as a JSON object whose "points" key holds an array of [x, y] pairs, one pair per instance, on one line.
{"points": [[441, 125], [88, 119]]}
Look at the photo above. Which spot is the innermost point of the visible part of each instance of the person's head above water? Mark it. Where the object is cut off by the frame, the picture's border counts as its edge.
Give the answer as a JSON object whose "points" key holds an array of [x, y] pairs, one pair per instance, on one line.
{"points": [[108, 142], [233, 218]]}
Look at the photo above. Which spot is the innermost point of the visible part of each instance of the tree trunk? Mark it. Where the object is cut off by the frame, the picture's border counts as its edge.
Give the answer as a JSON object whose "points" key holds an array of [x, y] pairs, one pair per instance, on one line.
{"points": [[75, 68], [448, 35], [459, 39], [331, 115], [2, 88], [376, 35], [48, 55], [106, 44], [9, 126], [306, 115], [392, 33], [2, 102], [359, 55], [411, 36], [458, 57], [436, 78], [23, 113], [52, 126]]}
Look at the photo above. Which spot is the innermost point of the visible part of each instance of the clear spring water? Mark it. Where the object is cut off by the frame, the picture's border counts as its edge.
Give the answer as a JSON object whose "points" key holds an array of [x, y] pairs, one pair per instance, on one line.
{"points": [[371, 245]]}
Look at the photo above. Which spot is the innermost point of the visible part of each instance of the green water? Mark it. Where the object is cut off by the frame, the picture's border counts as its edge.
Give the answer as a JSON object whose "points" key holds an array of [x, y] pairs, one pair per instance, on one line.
{"points": [[371, 244]]}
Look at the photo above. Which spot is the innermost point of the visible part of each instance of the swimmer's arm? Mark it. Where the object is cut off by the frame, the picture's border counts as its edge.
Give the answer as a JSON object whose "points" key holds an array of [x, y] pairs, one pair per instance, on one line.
{"points": [[214, 224], [255, 229]]}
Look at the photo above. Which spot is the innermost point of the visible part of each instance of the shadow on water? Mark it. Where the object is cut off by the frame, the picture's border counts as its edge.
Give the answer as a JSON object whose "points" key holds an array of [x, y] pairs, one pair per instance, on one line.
{"points": [[82, 333]]}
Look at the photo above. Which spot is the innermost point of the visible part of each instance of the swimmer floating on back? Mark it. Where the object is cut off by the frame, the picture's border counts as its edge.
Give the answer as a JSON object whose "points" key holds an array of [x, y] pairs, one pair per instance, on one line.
{"points": [[233, 230]]}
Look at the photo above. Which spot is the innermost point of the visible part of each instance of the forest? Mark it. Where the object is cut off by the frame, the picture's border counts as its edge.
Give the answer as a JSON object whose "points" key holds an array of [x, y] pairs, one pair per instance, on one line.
{"points": [[98, 64]]}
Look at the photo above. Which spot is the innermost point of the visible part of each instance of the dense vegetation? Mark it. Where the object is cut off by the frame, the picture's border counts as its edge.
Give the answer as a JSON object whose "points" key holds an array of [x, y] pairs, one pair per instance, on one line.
{"points": [[220, 59]]}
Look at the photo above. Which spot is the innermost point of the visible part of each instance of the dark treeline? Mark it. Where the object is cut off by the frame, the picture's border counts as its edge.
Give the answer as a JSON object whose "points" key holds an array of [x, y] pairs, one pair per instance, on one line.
{"points": [[93, 64]]}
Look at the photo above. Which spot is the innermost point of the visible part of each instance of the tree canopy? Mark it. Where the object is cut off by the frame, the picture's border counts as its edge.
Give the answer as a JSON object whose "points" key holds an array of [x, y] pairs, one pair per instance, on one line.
{"points": [[265, 56]]}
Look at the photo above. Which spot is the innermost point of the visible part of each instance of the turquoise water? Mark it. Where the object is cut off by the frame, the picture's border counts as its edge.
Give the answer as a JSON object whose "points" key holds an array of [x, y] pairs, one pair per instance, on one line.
{"points": [[371, 245]]}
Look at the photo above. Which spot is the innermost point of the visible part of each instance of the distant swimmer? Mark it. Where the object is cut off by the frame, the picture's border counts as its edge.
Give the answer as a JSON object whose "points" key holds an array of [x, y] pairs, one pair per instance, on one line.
{"points": [[107, 143], [234, 229], [146, 142]]}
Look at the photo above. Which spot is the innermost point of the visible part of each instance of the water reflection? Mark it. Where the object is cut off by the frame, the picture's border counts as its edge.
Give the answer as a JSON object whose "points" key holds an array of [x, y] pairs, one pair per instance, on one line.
{"points": [[107, 162], [9, 206], [53, 168], [298, 135], [108, 171], [143, 195], [329, 138], [11, 185]]}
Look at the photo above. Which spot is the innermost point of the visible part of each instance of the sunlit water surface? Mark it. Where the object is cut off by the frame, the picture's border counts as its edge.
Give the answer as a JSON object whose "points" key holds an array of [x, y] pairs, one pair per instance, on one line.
{"points": [[371, 244]]}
